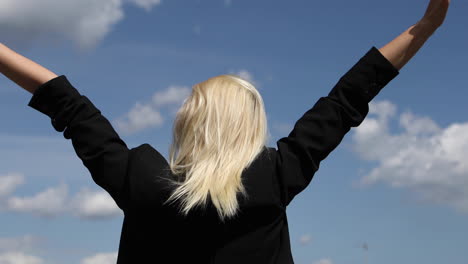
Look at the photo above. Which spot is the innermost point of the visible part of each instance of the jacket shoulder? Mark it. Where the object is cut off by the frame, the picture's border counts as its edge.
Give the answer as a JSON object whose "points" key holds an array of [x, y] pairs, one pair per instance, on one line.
{"points": [[146, 176]]}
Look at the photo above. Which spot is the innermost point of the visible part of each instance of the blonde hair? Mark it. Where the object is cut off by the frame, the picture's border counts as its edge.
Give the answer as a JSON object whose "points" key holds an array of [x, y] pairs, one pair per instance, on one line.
{"points": [[219, 131]]}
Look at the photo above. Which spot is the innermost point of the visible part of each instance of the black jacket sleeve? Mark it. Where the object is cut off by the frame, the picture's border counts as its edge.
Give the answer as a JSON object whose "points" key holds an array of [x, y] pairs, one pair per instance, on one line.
{"points": [[95, 141], [322, 128]]}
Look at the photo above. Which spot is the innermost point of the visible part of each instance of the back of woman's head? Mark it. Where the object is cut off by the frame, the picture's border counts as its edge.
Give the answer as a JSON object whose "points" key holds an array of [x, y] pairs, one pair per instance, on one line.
{"points": [[218, 132]]}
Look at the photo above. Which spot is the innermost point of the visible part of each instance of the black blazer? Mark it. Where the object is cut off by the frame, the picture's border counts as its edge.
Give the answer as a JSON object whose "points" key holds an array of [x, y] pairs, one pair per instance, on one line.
{"points": [[153, 233]]}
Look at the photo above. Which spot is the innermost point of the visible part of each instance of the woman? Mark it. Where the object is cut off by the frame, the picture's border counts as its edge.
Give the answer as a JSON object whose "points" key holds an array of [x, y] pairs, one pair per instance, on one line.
{"points": [[222, 196]]}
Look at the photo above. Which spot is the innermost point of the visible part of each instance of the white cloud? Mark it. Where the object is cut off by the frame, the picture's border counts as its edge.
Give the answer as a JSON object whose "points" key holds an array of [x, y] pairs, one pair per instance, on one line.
{"points": [[172, 95], [54, 201], [16, 257], [147, 4], [47, 203], [9, 182], [20, 250], [94, 205], [143, 116], [227, 2], [23, 243], [101, 258], [305, 239], [86, 22], [424, 158], [246, 75], [323, 261], [140, 117]]}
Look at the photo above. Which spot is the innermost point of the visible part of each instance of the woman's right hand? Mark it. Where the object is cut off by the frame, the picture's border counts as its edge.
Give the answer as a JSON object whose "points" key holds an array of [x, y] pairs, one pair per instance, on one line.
{"points": [[435, 13]]}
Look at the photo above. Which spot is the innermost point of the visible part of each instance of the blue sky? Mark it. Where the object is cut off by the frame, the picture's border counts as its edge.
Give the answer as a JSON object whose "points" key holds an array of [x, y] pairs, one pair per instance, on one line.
{"points": [[394, 191]]}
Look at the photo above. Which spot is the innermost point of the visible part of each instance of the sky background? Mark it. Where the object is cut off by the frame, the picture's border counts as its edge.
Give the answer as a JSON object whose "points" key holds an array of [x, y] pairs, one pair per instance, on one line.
{"points": [[394, 191]]}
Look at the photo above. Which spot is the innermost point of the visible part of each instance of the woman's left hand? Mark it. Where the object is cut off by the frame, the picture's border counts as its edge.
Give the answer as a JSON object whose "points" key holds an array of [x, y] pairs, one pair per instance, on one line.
{"points": [[435, 13]]}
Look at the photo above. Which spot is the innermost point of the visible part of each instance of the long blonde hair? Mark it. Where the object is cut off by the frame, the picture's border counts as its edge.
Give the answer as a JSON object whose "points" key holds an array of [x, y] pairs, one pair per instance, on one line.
{"points": [[219, 131]]}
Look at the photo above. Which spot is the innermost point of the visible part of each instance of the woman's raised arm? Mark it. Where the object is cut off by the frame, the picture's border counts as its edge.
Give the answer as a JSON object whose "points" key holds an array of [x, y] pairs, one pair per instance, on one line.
{"points": [[95, 141], [321, 129], [400, 50], [23, 71]]}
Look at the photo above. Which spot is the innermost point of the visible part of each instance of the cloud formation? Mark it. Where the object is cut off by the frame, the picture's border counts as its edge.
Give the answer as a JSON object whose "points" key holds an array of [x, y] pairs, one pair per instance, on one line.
{"points": [[424, 157], [9, 182], [16, 257], [25, 243], [20, 250], [55, 201], [172, 95], [47, 203], [324, 261], [101, 258], [84, 22], [147, 115], [140, 117], [146, 4], [246, 75], [89, 204]]}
